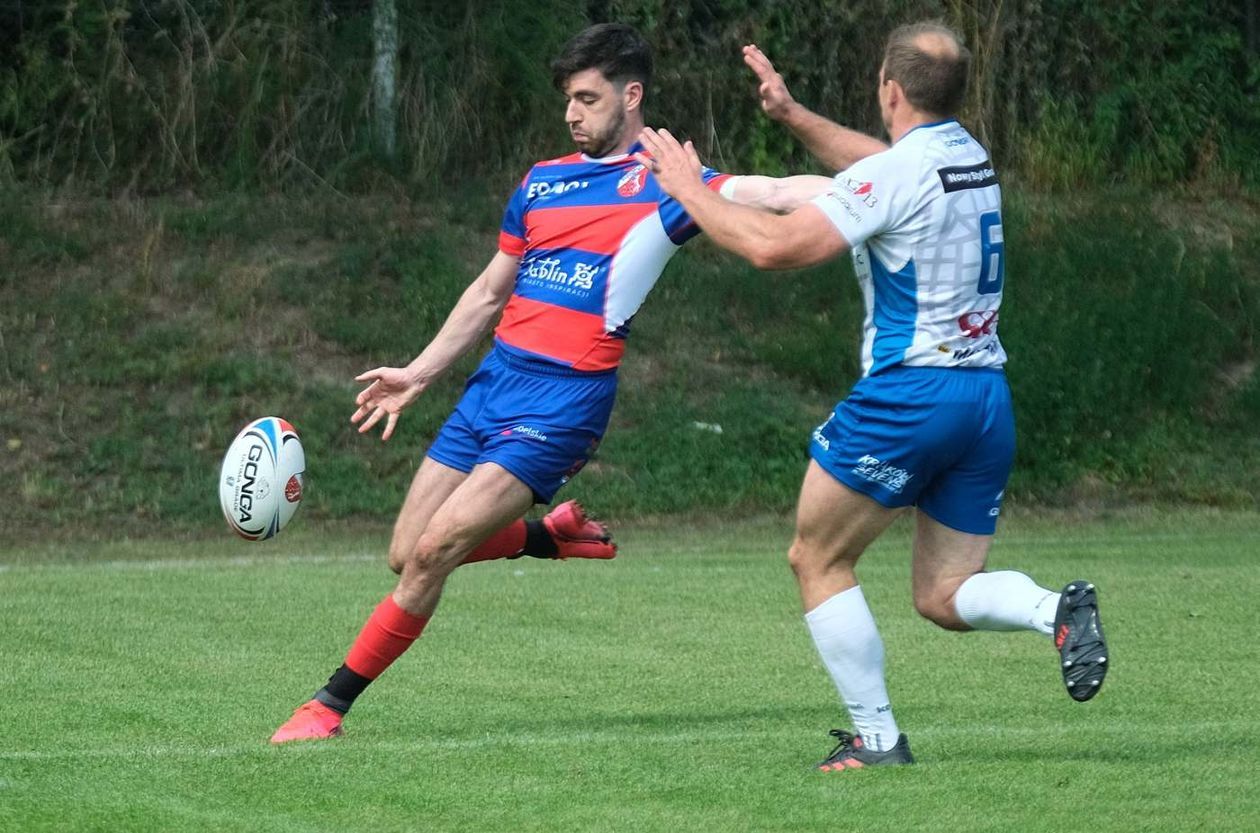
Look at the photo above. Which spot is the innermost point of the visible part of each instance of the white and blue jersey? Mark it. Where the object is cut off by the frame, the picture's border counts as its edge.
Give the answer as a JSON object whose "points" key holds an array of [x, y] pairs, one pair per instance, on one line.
{"points": [[924, 221], [930, 423]]}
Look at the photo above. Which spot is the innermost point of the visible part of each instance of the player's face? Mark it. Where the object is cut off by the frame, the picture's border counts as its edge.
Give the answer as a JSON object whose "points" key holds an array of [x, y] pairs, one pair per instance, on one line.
{"points": [[596, 112]]}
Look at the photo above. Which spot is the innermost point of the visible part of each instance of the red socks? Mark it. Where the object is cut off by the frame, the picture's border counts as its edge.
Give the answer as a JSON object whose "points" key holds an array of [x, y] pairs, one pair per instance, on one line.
{"points": [[389, 632], [505, 543]]}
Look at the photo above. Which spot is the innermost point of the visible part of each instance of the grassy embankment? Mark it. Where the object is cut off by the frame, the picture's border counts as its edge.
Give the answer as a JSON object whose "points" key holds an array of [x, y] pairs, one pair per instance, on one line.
{"points": [[138, 336]]}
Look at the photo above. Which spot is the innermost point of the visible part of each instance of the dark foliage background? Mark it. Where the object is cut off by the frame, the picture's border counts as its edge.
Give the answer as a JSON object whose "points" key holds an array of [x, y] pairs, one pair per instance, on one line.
{"points": [[145, 95]]}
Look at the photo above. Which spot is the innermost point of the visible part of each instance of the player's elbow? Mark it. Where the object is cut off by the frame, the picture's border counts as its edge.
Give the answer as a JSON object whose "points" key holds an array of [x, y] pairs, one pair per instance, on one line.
{"points": [[769, 254]]}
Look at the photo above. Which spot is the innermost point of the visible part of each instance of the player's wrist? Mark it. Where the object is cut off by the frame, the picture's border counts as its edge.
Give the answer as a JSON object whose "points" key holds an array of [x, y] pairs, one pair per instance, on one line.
{"points": [[790, 114]]}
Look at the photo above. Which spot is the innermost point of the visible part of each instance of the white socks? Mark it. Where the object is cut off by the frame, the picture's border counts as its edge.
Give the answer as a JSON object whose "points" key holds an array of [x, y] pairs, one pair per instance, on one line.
{"points": [[844, 632], [1006, 601]]}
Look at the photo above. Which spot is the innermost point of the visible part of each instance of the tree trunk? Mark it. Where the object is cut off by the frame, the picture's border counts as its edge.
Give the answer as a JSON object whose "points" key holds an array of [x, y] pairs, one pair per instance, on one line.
{"points": [[385, 75]]}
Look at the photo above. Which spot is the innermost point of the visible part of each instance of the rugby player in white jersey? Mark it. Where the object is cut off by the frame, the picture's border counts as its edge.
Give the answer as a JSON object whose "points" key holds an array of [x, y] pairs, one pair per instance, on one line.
{"points": [[930, 423]]}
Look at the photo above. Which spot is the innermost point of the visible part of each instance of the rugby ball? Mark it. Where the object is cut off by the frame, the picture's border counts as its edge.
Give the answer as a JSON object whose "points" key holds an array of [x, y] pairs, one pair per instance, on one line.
{"points": [[260, 482]]}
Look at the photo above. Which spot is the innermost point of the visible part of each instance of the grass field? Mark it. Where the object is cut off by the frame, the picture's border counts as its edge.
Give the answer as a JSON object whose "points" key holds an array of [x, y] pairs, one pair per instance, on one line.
{"points": [[674, 689]]}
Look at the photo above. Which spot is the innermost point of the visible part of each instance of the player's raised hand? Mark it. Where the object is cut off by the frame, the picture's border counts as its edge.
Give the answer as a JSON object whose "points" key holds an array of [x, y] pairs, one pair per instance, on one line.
{"points": [[391, 389], [775, 98], [676, 166]]}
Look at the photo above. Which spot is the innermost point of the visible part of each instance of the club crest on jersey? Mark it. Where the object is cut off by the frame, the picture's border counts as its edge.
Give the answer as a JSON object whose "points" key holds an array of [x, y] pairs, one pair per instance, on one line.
{"points": [[632, 181]]}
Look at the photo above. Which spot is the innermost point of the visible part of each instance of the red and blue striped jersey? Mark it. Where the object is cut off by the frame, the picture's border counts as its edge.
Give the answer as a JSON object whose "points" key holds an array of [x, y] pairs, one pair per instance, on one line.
{"points": [[593, 236]]}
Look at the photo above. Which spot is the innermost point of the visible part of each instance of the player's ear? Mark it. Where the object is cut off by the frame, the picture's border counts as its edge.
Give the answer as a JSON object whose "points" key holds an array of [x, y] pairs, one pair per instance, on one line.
{"points": [[632, 95], [894, 91]]}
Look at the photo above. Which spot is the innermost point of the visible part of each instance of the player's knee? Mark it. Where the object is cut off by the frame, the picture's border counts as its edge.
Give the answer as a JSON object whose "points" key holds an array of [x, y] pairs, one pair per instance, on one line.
{"points": [[433, 554], [810, 558], [938, 608], [801, 559], [809, 561], [398, 556]]}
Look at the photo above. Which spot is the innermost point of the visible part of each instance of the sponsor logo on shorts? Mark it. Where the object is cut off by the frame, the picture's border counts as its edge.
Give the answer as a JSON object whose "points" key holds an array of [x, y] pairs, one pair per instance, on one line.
{"points": [[580, 462], [886, 474], [997, 510], [820, 439], [525, 431]]}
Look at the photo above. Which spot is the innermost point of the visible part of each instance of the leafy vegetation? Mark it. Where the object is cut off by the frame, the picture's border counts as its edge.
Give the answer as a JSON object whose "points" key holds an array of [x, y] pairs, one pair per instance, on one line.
{"points": [[141, 96]]}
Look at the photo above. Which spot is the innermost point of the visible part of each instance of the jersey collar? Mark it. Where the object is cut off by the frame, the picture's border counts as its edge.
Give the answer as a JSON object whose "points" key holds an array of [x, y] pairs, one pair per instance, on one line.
{"points": [[929, 125], [637, 147]]}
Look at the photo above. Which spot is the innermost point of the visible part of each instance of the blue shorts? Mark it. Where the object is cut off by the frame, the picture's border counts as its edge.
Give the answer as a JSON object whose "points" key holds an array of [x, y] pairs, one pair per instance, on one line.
{"points": [[942, 439], [539, 421]]}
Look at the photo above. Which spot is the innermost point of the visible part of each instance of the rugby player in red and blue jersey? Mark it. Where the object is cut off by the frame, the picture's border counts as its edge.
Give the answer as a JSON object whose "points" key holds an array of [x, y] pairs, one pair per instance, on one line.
{"points": [[583, 241]]}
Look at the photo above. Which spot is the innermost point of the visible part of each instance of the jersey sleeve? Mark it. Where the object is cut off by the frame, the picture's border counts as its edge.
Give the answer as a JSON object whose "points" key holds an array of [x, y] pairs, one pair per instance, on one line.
{"points": [[864, 200], [678, 223], [512, 231]]}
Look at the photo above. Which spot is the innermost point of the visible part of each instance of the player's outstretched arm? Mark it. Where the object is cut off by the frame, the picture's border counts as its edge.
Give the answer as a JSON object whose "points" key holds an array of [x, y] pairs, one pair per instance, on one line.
{"points": [[768, 241], [780, 194], [835, 146], [391, 389]]}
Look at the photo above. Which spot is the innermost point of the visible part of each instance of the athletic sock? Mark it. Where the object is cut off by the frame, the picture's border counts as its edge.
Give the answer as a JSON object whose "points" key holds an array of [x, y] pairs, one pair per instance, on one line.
{"points": [[508, 542], [388, 632], [515, 540], [538, 541], [847, 640], [1006, 601], [341, 689]]}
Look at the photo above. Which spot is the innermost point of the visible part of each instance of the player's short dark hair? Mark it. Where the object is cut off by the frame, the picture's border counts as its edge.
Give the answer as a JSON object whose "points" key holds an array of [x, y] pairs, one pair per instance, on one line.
{"points": [[934, 81], [615, 49]]}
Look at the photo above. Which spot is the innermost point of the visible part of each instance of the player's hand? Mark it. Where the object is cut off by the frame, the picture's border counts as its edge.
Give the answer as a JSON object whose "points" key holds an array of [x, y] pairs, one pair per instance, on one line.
{"points": [[775, 98], [676, 167], [391, 389]]}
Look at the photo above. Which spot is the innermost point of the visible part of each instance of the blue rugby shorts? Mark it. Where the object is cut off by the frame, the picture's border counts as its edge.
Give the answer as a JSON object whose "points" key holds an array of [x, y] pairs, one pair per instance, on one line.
{"points": [[941, 439], [540, 421]]}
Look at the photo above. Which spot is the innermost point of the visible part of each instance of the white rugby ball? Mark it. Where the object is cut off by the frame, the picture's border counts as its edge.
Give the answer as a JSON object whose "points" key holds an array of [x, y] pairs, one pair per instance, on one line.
{"points": [[260, 482]]}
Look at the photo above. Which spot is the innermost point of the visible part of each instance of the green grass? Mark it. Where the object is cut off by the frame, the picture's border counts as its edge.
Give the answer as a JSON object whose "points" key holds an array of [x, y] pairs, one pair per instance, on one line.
{"points": [[673, 689]]}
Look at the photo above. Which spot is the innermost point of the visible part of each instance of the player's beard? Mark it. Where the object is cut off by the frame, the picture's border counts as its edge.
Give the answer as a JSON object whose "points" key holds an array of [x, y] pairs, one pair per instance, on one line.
{"points": [[601, 144]]}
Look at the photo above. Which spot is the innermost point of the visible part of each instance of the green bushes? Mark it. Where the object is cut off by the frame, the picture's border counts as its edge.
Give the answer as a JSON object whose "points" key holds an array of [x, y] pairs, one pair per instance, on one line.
{"points": [[149, 95]]}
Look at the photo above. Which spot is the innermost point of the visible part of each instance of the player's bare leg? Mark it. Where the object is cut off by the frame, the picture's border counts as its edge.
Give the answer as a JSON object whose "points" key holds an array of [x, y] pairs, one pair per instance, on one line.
{"points": [[951, 589], [565, 532], [484, 502], [489, 499], [834, 526], [944, 558], [433, 483]]}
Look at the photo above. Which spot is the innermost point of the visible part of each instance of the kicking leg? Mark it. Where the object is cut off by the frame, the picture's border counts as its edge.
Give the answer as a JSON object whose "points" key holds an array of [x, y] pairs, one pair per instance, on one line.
{"points": [[951, 590]]}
